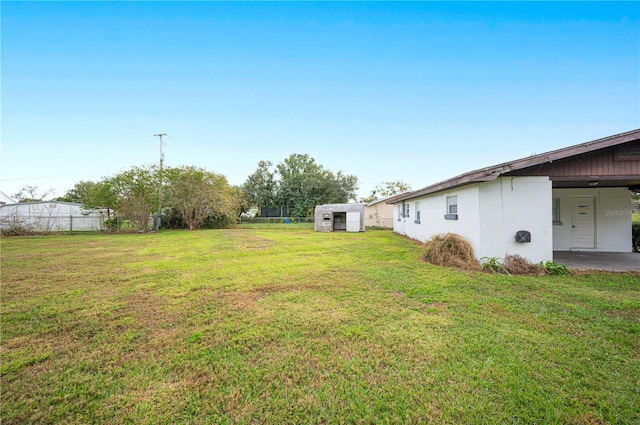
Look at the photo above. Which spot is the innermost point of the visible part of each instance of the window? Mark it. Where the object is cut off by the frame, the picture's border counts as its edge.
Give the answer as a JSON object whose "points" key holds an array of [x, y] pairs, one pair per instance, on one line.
{"points": [[399, 212], [406, 211], [452, 208], [452, 204], [556, 212], [417, 220]]}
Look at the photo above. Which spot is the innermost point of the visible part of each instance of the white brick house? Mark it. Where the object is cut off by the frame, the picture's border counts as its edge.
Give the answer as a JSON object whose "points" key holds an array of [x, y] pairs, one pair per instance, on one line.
{"points": [[576, 198]]}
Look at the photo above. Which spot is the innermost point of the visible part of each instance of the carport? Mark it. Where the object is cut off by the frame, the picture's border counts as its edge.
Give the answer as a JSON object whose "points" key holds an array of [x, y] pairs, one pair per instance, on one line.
{"points": [[609, 261]]}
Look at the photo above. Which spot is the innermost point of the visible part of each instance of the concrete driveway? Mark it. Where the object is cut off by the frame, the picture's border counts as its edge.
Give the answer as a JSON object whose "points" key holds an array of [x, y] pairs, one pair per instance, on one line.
{"points": [[610, 261]]}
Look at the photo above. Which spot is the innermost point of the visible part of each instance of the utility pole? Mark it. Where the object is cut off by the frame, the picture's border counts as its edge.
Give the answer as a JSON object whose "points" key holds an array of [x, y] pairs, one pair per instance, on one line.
{"points": [[156, 224]]}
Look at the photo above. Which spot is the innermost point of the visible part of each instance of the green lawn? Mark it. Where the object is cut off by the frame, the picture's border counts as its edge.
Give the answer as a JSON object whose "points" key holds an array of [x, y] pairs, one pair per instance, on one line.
{"points": [[292, 327]]}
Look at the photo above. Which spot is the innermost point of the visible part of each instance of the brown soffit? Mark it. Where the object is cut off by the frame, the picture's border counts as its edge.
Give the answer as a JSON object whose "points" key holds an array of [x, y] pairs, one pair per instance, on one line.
{"points": [[492, 173]]}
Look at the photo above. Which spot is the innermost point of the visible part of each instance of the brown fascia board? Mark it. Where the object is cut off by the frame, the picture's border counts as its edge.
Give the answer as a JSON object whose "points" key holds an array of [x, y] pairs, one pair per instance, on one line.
{"points": [[492, 173]]}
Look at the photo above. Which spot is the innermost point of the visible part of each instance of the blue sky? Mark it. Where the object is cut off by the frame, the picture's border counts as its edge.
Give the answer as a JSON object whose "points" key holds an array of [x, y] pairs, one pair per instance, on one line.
{"points": [[416, 91]]}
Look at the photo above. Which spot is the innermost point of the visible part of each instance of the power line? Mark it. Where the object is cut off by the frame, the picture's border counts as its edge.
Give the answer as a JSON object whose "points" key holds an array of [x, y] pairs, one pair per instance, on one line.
{"points": [[51, 177]]}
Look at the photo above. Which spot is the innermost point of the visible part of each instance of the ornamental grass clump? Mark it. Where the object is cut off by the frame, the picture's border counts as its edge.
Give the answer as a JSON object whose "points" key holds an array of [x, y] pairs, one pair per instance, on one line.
{"points": [[450, 250]]}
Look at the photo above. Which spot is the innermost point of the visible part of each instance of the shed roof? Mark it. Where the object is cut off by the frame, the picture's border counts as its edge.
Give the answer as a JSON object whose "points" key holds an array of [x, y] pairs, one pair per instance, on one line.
{"points": [[493, 172], [5, 199], [339, 207]]}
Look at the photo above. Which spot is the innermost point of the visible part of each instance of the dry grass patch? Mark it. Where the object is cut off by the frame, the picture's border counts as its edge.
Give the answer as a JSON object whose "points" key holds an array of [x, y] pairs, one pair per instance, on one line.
{"points": [[450, 250], [515, 264]]}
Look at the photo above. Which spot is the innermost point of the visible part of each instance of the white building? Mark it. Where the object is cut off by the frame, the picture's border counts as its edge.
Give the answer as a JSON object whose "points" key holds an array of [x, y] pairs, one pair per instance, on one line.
{"points": [[50, 216], [339, 217], [576, 198], [4, 199]]}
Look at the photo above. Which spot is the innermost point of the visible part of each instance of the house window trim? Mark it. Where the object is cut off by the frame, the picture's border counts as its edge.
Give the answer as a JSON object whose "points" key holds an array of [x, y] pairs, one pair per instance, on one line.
{"points": [[556, 213], [417, 213], [450, 214]]}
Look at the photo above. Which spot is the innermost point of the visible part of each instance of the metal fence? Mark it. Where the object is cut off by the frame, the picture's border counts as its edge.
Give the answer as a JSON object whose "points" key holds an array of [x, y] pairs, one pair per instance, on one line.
{"points": [[276, 222], [52, 223], [19, 223]]}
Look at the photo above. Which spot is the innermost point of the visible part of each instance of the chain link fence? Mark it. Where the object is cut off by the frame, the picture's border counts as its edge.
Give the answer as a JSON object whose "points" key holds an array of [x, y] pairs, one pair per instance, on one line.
{"points": [[45, 223], [276, 222], [22, 224]]}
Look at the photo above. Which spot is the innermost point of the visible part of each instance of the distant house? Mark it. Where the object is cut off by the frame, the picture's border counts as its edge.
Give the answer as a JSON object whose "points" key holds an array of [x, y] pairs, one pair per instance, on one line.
{"points": [[50, 216], [339, 217], [575, 198], [378, 214]]}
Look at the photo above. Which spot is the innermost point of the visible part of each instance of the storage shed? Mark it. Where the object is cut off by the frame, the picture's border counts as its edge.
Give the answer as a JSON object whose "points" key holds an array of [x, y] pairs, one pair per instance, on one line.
{"points": [[339, 217], [50, 216]]}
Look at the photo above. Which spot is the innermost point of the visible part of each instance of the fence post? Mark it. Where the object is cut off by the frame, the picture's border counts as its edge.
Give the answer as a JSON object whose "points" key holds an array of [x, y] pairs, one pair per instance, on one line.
{"points": [[70, 223]]}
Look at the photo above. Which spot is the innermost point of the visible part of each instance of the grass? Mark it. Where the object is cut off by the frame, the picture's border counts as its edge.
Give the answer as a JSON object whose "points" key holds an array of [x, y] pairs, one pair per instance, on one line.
{"points": [[292, 327]]}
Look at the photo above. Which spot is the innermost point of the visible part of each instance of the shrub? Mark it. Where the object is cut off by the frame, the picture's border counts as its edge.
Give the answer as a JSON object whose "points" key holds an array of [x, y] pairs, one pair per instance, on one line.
{"points": [[552, 267], [16, 230], [450, 250], [635, 233], [515, 264], [113, 224], [494, 265]]}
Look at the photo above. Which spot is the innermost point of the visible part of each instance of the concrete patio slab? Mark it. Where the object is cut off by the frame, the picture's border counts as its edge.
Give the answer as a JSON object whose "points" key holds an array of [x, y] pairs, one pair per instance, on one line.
{"points": [[609, 261]]}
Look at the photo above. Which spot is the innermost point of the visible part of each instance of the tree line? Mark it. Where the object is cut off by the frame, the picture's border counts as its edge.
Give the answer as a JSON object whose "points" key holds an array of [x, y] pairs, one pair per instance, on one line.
{"points": [[191, 197], [185, 196]]}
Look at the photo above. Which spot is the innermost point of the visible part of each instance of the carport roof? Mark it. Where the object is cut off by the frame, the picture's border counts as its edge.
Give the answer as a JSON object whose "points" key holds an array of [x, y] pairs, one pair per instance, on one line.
{"points": [[493, 172]]}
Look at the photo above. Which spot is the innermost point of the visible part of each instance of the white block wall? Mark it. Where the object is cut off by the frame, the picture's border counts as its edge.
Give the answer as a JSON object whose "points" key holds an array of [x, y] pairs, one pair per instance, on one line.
{"points": [[432, 221], [510, 204], [613, 218], [489, 215]]}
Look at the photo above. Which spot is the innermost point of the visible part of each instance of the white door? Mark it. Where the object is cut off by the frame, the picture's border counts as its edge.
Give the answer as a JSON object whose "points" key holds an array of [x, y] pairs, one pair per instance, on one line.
{"points": [[353, 221], [583, 224]]}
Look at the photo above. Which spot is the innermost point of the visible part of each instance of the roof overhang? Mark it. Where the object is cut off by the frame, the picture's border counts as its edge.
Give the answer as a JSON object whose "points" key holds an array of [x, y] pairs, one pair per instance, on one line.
{"points": [[492, 173], [605, 181]]}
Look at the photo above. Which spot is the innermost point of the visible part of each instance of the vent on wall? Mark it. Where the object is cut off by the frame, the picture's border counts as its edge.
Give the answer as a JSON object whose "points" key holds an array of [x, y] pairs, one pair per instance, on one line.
{"points": [[523, 236], [627, 152]]}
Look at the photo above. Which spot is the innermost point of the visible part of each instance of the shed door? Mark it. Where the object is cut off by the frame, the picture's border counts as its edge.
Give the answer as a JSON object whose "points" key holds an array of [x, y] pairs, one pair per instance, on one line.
{"points": [[583, 229], [353, 221]]}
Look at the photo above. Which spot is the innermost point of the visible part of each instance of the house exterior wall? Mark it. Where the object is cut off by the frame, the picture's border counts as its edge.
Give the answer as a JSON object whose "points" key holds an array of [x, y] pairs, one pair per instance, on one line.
{"points": [[432, 210], [612, 218], [489, 215], [511, 204], [49, 216], [379, 214]]}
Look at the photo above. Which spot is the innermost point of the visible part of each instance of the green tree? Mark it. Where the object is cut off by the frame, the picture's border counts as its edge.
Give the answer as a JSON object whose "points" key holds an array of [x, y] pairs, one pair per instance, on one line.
{"points": [[303, 184], [260, 187], [198, 194], [387, 189], [90, 194], [30, 194], [133, 193]]}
